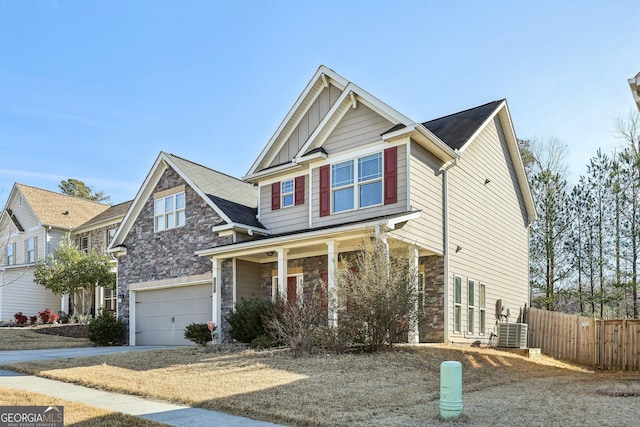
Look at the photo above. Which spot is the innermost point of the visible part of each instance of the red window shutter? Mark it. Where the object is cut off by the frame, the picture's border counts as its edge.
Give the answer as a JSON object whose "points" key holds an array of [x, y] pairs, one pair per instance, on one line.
{"points": [[390, 175], [325, 191], [275, 196], [299, 189]]}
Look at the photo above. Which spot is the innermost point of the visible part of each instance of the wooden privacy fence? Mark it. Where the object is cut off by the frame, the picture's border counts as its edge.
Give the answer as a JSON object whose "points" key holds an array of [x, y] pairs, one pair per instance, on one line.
{"points": [[606, 344]]}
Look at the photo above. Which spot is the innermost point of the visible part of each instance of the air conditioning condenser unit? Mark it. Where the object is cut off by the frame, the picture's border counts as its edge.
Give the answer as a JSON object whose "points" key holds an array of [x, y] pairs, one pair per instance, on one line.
{"points": [[513, 335]]}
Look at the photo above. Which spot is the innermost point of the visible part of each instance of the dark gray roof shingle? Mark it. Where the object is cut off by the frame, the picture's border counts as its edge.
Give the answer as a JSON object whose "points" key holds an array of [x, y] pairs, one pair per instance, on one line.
{"points": [[456, 129]]}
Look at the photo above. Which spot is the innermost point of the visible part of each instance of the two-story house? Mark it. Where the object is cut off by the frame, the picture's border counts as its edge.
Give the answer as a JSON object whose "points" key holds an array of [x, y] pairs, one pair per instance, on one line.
{"points": [[341, 166], [31, 225]]}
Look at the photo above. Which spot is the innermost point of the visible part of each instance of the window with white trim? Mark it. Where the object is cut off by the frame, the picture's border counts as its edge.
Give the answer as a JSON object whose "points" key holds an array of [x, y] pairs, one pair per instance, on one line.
{"points": [[110, 299], [471, 284], [11, 254], [483, 308], [457, 303], [84, 244], [111, 233], [286, 193], [357, 184], [30, 250], [169, 212]]}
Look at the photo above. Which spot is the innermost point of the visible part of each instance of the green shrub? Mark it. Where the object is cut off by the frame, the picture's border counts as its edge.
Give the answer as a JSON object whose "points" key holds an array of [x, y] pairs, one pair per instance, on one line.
{"points": [[105, 329], [247, 320], [199, 333], [262, 342]]}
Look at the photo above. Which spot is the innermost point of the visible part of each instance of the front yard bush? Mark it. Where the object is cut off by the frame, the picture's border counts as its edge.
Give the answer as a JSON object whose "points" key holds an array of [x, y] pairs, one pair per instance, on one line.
{"points": [[106, 329], [247, 319], [48, 316], [199, 333], [21, 319]]}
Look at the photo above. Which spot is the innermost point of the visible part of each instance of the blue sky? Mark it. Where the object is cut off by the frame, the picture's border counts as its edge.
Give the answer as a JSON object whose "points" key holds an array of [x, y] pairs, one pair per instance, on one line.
{"points": [[95, 90]]}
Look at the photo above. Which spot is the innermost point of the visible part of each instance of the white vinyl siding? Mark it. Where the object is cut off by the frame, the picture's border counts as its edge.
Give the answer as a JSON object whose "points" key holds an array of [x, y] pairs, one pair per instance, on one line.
{"points": [[21, 293], [493, 236]]}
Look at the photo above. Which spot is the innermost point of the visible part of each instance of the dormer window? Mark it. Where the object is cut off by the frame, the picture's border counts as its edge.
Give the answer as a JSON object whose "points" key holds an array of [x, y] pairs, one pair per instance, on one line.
{"points": [[169, 212]]}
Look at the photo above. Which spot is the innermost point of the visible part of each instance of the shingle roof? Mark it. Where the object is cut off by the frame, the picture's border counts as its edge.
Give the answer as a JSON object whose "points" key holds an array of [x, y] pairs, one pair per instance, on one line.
{"points": [[456, 129], [237, 199], [60, 210], [114, 212]]}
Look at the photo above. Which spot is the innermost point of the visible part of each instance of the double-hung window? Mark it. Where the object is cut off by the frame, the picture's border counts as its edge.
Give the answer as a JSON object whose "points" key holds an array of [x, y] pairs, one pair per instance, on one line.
{"points": [[30, 250], [111, 233], [457, 303], [11, 254], [470, 305], [287, 193], [84, 244], [357, 184], [169, 212]]}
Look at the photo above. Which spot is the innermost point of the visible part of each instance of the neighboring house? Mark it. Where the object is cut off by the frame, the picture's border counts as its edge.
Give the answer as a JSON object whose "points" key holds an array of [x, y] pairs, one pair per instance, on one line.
{"points": [[97, 233], [31, 225], [634, 84], [341, 166]]}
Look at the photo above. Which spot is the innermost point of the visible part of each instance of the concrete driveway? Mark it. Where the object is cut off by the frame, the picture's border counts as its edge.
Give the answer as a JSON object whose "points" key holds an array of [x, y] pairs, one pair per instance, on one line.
{"points": [[29, 355]]}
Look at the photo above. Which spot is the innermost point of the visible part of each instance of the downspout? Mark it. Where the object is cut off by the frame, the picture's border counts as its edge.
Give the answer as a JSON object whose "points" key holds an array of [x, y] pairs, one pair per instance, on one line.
{"points": [[445, 230]]}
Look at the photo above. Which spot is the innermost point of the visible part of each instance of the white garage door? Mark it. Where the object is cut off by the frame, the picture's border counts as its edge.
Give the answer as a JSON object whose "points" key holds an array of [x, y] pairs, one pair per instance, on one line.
{"points": [[161, 315]]}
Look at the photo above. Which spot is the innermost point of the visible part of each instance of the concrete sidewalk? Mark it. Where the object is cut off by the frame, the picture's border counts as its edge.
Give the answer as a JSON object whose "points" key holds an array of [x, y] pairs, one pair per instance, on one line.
{"points": [[164, 412]]}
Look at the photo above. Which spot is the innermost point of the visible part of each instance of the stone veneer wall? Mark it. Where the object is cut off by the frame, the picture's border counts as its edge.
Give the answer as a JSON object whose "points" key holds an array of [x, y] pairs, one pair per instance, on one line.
{"points": [[432, 325], [312, 268], [97, 237], [167, 254]]}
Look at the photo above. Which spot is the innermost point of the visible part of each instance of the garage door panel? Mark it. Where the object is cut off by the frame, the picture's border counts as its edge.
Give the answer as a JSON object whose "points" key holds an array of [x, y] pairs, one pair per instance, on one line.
{"points": [[163, 314]]}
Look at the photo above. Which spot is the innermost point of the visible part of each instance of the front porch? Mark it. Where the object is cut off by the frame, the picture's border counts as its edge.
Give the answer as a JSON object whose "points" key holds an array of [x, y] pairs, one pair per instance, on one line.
{"points": [[296, 265]]}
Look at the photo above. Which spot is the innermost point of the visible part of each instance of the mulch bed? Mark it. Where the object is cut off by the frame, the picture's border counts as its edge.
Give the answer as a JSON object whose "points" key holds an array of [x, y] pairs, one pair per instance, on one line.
{"points": [[71, 331]]}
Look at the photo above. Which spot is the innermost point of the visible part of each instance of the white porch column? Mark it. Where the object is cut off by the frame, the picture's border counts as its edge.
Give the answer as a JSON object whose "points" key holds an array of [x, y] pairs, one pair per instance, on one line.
{"points": [[216, 285], [282, 272], [99, 298], [332, 259], [414, 333], [64, 303]]}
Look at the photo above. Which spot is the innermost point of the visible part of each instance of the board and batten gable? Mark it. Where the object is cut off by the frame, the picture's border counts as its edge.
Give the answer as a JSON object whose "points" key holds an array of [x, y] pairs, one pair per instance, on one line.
{"points": [[488, 230], [426, 195], [308, 123]]}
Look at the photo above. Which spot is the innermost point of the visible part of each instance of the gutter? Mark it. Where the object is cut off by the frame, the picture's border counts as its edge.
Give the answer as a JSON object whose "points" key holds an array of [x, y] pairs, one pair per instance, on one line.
{"points": [[445, 215]]}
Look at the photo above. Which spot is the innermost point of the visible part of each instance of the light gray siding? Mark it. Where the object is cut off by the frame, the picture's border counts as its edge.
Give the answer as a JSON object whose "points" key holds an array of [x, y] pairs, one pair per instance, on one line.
{"points": [[24, 214], [248, 276], [361, 214], [488, 227], [426, 195], [317, 110], [20, 293], [358, 127], [284, 219]]}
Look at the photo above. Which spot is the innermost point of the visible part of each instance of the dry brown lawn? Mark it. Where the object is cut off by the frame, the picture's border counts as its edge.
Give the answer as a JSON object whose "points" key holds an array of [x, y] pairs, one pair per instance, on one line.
{"points": [[75, 414], [399, 388], [27, 339]]}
